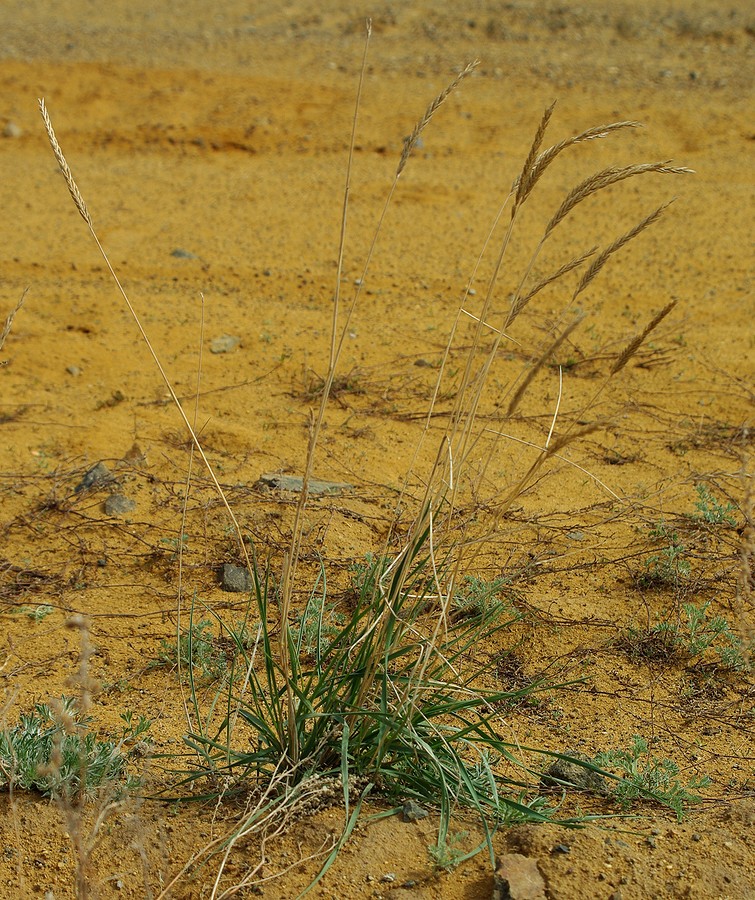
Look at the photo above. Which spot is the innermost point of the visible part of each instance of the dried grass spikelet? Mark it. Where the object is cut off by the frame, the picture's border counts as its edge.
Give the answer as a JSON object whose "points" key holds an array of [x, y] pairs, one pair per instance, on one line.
{"points": [[605, 178], [9, 320], [631, 348], [72, 186], [536, 165], [411, 141], [518, 303], [597, 264], [525, 183]]}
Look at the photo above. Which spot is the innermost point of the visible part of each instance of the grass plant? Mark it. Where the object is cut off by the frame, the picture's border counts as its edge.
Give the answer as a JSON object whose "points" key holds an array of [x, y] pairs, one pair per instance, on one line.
{"points": [[389, 700]]}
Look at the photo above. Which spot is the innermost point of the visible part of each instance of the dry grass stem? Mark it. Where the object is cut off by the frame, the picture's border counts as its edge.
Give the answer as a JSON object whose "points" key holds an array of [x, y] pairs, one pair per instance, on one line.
{"points": [[532, 373], [411, 142], [606, 178], [72, 186], [11, 316], [633, 346]]}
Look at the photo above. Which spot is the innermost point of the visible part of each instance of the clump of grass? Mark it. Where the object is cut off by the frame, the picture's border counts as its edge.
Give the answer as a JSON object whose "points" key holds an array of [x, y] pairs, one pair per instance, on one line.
{"points": [[393, 702], [644, 777]]}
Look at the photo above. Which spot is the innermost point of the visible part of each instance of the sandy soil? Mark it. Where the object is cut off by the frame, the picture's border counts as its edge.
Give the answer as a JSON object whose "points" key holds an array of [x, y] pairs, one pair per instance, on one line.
{"points": [[211, 150]]}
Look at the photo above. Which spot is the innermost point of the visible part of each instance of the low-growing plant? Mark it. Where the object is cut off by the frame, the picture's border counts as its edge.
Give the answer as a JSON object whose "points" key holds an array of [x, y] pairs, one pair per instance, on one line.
{"points": [[52, 750], [669, 567], [196, 648], [198, 653], [689, 638], [450, 853], [478, 596], [710, 510], [35, 613], [645, 777]]}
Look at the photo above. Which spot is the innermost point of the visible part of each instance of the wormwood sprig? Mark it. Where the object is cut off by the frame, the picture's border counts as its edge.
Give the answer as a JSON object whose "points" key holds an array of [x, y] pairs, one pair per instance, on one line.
{"points": [[53, 750], [645, 777]]}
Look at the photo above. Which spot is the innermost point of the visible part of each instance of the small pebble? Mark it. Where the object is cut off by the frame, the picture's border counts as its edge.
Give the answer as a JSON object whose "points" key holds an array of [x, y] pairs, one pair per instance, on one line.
{"points": [[413, 812], [182, 254], [235, 579], [98, 475], [119, 505], [224, 344], [73, 370], [12, 130]]}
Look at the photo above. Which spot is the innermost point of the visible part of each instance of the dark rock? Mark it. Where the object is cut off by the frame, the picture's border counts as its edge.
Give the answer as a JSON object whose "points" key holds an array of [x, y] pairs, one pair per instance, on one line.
{"points": [[235, 578], [119, 505], [561, 848], [518, 877], [413, 812], [182, 254], [563, 773], [95, 477]]}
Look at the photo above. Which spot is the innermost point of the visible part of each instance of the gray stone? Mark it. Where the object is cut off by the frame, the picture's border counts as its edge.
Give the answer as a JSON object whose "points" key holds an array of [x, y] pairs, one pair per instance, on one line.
{"points": [[182, 254], [119, 505], [95, 477], [274, 481], [12, 130], [225, 343], [518, 877], [413, 812], [563, 773], [235, 579]]}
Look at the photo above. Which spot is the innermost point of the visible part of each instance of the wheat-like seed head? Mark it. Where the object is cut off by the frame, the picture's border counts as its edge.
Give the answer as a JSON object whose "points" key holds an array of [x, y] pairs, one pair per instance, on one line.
{"points": [[9, 321], [411, 142], [631, 348], [72, 186], [606, 178], [525, 178], [597, 264]]}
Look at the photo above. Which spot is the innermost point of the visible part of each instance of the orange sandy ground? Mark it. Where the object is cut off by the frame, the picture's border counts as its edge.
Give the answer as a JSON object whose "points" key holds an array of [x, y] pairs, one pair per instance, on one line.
{"points": [[224, 134]]}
